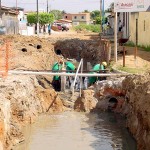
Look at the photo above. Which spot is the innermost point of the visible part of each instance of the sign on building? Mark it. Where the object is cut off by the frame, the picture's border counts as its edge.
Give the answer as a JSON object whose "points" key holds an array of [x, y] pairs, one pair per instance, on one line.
{"points": [[131, 5]]}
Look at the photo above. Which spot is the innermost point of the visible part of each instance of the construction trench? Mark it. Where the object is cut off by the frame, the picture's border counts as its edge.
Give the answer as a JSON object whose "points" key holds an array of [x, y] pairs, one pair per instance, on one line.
{"points": [[111, 114]]}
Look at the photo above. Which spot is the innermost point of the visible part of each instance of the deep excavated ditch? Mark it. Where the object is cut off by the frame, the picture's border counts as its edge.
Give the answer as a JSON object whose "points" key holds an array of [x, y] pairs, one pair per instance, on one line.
{"points": [[25, 97]]}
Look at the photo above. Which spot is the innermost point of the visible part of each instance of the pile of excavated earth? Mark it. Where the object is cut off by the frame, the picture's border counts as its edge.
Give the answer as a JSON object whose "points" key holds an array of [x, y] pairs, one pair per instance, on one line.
{"points": [[24, 97]]}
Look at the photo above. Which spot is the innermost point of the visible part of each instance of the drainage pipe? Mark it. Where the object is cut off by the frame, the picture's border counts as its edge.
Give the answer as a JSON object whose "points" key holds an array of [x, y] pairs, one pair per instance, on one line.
{"points": [[65, 74]]}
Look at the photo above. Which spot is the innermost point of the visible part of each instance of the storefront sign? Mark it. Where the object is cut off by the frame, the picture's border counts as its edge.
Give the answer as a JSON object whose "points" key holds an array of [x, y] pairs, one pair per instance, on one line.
{"points": [[131, 5]]}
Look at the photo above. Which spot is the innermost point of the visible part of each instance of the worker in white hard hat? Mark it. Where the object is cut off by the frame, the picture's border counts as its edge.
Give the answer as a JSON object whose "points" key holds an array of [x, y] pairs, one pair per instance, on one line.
{"points": [[104, 64]]}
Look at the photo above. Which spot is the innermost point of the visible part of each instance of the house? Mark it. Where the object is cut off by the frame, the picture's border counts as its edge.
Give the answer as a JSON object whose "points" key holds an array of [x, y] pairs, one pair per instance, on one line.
{"points": [[9, 20], [143, 19], [78, 18], [20, 12]]}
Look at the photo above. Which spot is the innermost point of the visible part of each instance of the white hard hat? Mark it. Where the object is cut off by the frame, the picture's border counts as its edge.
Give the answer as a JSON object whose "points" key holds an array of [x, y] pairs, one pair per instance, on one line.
{"points": [[104, 63]]}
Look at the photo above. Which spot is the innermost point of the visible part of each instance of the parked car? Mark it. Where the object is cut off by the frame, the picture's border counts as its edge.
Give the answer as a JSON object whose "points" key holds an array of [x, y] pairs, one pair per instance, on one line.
{"points": [[64, 28], [2, 30], [59, 26]]}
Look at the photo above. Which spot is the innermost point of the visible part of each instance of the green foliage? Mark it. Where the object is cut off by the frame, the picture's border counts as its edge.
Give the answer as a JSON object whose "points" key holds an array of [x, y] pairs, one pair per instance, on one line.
{"points": [[95, 14], [130, 43], [32, 18], [130, 70], [57, 14], [143, 47], [44, 18], [93, 28], [86, 11], [98, 20]]}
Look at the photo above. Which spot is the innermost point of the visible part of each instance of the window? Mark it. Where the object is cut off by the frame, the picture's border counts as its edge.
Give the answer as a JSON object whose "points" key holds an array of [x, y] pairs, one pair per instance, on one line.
{"points": [[75, 17], [82, 17], [66, 17]]}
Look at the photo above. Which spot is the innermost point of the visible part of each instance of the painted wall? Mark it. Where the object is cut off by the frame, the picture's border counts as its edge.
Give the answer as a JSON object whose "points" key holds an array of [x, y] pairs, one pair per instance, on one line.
{"points": [[78, 18], [143, 28]]}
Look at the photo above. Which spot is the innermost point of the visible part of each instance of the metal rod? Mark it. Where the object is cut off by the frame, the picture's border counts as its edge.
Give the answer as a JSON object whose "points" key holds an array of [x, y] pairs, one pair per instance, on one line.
{"points": [[84, 71], [81, 81], [77, 73], [124, 53], [65, 74]]}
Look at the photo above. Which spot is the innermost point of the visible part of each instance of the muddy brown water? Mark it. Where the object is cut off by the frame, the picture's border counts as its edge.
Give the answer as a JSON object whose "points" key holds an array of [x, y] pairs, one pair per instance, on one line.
{"points": [[78, 131]]}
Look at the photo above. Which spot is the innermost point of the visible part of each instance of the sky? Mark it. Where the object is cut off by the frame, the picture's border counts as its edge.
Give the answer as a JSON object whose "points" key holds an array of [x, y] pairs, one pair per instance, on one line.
{"points": [[70, 6]]}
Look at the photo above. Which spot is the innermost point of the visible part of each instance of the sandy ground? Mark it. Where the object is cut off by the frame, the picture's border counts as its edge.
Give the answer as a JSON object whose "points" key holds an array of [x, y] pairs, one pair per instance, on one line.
{"points": [[33, 58], [142, 61]]}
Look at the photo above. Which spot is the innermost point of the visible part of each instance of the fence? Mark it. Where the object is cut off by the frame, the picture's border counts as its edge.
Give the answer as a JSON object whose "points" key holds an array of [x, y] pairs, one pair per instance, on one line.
{"points": [[5, 54]]}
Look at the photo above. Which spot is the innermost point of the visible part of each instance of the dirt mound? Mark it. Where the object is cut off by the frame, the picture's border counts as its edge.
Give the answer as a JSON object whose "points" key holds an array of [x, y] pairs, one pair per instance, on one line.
{"points": [[22, 99], [87, 102], [31, 53]]}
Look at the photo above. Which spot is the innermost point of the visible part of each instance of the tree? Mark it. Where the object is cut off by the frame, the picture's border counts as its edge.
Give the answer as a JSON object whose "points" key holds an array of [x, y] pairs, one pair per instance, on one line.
{"points": [[86, 11], [98, 20], [44, 18], [94, 14], [63, 12], [57, 14], [111, 6], [32, 18]]}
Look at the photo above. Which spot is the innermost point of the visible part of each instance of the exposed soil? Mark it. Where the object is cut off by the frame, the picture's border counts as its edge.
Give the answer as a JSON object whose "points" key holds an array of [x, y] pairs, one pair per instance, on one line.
{"points": [[142, 61], [23, 98]]}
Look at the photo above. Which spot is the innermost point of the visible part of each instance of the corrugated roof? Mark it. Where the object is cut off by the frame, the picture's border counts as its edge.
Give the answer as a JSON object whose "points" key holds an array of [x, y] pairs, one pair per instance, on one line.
{"points": [[64, 20], [9, 9]]}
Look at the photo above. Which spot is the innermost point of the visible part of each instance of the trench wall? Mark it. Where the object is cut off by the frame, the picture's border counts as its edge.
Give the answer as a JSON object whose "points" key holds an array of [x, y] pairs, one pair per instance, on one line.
{"points": [[22, 99], [90, 50], [133, 96]]}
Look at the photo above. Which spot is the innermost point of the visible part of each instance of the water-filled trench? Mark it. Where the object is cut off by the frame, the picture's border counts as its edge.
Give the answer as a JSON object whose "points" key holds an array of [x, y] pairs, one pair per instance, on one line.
{"points": [[78, 131]]}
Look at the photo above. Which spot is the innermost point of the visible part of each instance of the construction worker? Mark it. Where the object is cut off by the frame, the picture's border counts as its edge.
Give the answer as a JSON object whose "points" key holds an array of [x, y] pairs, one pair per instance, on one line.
{"points": [[104, 64], [97, 68], [69, 68], [56, 79]]}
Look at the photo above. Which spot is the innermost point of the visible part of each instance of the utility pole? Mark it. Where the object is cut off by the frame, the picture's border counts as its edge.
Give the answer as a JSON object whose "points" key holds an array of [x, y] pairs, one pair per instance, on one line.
{"points": [[37, 2], [0, 9], [101, 16], [16, 6], [102, 13], [47, 6]]}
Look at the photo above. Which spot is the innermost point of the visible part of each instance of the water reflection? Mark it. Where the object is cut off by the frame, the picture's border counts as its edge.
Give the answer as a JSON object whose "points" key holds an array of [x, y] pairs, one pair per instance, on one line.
{"points": [[78, 131]]}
